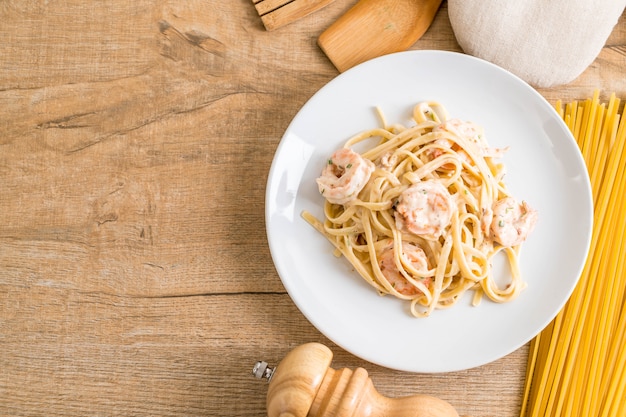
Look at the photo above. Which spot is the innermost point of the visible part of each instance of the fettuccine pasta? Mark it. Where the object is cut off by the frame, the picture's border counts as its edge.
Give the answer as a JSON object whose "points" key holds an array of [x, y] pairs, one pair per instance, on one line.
{"points": [[422, 213]]}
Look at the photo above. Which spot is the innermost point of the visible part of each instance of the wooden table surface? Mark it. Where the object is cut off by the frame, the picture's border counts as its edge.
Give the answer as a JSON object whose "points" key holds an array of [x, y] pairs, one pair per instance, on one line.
{"points": [[135, 143]]}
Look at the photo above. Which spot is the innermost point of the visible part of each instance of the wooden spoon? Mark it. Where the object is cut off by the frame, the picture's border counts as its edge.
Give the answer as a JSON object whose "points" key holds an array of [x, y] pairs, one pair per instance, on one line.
{"points": [[372, 28]]}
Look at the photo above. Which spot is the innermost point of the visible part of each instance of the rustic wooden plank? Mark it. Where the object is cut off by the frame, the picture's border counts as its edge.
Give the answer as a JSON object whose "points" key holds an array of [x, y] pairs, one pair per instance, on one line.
{"points": [[91, 353]]}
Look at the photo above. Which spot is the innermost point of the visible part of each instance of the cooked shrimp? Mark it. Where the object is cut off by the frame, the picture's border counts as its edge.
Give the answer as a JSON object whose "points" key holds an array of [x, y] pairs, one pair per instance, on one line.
{"points": [[460, 128], [470, 132], [412, 254], [425, 209], [512, 222], [387, 161], [344, 176]]}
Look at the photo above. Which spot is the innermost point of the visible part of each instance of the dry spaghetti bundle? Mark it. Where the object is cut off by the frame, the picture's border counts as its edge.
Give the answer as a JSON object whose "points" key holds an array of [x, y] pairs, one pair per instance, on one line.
{"points": [[577, 365]]}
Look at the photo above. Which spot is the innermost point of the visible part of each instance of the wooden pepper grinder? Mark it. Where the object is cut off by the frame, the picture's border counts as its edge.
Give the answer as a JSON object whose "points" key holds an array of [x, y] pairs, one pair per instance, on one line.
{"points": [[304, 385]]}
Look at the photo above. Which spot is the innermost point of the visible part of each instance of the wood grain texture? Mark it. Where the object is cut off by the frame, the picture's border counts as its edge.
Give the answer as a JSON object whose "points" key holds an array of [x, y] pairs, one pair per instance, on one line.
{"points": [[373, 28], [278, 13], [135, 143]]}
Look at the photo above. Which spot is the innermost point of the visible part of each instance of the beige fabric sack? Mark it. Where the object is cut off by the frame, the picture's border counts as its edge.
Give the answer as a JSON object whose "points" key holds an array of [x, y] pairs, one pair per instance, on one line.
{"points": [[544, 42]]}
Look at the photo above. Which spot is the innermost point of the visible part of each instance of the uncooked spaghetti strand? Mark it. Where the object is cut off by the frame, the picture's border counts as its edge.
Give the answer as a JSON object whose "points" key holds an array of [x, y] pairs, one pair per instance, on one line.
{"points": [[609, 298], [593, 329], [531, 367], [587, 391], [597, 155], [608, 133], [577, 122], [616, 369], [545, 351], [606, 187], [588, 123], [566, 404], [606, 125], [616, 386]]}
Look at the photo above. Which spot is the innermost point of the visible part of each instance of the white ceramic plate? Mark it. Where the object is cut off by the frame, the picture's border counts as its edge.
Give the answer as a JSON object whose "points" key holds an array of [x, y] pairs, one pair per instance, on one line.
{"points": [[544, 167]]}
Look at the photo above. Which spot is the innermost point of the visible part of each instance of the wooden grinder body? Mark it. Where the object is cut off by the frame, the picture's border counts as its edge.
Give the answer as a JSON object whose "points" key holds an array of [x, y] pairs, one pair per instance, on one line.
{"points": [[304, 385]]}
